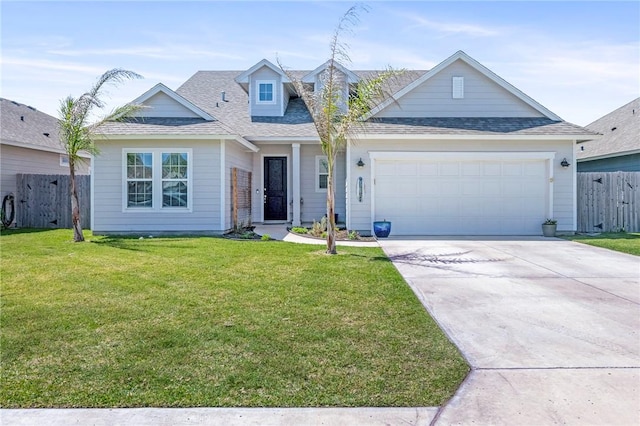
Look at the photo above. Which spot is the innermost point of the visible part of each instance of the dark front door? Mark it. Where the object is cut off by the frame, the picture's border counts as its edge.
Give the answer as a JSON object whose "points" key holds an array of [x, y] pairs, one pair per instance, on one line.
{"points": [[275, 188]]}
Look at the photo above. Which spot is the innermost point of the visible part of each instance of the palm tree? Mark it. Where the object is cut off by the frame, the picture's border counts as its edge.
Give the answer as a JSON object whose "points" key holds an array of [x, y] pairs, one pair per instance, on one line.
{"points": [[77, 134], [335, 117]]}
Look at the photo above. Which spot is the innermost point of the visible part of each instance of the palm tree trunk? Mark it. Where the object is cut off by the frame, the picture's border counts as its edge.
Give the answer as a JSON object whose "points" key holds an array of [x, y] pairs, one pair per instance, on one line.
{"points": [[331, 196], [75, 205]]}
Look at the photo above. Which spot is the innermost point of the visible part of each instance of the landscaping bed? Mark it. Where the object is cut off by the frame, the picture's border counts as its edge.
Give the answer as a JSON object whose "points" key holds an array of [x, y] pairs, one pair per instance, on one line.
{"points": [[189, 322]]}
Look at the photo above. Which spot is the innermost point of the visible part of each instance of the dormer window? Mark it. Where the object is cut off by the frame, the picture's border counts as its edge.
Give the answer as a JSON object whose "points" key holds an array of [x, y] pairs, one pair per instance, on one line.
{"points": [[265, 92]]}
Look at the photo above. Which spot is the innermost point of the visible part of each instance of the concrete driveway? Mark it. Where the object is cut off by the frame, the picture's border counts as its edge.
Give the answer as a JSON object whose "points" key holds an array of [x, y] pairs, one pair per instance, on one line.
{"points": [[550, 327]]}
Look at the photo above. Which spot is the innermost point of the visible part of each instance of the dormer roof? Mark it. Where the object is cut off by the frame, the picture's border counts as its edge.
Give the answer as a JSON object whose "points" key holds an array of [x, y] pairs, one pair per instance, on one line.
{"points": [[243, 78], [352, 77]]}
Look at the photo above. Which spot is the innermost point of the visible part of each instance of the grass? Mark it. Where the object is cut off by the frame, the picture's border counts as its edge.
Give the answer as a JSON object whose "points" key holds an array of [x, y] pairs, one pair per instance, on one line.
{"points": [[183, 322], [618, 241]]}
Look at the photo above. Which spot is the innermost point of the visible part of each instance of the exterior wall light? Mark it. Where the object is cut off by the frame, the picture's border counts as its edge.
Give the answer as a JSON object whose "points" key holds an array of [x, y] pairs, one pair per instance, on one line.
{"points": [[564, 163], [360, 163]]}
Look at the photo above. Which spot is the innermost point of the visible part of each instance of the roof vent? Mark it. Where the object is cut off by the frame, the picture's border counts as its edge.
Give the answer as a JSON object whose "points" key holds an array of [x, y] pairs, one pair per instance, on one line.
{"points": [[46, 134], [613, 129], [223, 96], [22, 118]]}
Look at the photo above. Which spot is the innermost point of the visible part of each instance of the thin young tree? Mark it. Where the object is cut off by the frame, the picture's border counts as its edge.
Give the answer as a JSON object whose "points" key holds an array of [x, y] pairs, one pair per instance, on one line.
{"points": [[338, 111], [77, 133]]}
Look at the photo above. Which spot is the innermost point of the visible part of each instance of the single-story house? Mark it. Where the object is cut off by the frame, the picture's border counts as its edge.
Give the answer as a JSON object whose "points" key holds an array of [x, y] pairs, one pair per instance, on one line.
{"points": [[456, 150], [618, 150], [30, 144]]}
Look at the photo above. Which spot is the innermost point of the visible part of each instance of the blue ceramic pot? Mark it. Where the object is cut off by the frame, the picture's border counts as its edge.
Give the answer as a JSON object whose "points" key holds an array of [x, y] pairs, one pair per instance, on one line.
{"points": [[382, 229]]}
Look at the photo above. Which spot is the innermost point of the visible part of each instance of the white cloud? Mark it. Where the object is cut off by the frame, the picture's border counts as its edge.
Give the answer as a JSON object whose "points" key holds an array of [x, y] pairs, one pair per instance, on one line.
{"points": [[451, 28]]}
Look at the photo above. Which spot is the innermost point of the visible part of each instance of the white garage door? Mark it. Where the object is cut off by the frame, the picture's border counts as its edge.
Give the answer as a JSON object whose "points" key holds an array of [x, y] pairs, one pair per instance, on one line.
{"points": [[447, 197]]}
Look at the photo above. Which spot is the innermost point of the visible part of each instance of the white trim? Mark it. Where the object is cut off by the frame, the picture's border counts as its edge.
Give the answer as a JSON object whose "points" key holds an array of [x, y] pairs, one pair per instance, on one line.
{"points": [[156, 181], [311, 77], [306, 140], [223, 187], [478, 67], [462, 155], [176, 97], [164, 136], [244, 77], [93, 193], [347, 189], [295, 191], [317, 173], [574, 166], [513, 137], [242, 141], [274, 92]]}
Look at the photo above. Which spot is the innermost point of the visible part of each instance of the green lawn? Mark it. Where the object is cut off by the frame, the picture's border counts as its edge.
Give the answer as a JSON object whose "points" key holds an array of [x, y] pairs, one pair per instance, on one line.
{"points": [[619, 241], [171, 322]]}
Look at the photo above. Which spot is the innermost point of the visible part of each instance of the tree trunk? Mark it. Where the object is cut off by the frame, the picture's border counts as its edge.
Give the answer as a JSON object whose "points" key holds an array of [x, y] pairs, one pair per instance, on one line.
{"points": [[331, 196], [75, 205]]}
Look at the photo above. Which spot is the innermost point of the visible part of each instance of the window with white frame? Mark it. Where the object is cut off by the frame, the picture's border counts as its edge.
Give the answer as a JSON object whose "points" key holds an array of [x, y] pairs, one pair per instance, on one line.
{"points": [[174, 179], [64, 160], [457, 87], [139, 179], [157, 179], [322, 173], [265, 92]]}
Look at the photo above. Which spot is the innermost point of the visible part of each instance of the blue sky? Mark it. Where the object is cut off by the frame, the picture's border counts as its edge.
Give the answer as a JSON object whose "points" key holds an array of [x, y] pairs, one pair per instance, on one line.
{"points": [[580, 59]]}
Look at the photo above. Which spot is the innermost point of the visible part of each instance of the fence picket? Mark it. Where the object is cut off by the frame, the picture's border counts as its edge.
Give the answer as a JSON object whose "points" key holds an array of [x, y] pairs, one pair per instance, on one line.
{"points": [[608, 198]]}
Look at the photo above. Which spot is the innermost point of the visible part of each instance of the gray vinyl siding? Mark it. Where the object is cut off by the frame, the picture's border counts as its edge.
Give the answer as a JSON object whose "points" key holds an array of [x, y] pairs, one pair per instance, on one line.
{"points": [[161, 105], [563, 185], [482, 98], [109, 215], [623, 163], [17, 160], [235, 156], [315, 203], [266, 110]]}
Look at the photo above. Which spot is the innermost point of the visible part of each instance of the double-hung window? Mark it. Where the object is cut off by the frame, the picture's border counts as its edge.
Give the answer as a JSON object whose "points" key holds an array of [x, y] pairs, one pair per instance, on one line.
{"points": [[157, 179], [139, 179], [322, 173], [265, 92]]}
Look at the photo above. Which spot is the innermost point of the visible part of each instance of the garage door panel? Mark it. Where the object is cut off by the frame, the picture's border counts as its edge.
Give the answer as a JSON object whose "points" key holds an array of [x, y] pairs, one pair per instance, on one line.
{"points": [[462, 197]]}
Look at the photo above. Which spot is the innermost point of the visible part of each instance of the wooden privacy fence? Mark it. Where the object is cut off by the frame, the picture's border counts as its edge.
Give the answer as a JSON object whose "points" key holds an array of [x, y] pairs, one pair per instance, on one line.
{"points": [[44, 201], [240, 197], [609, 202]]}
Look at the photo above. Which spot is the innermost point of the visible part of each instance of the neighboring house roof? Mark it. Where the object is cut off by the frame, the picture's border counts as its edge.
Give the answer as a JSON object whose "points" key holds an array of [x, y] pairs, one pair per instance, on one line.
{"points": [[161, 88], [24, 126], [621, 134]]}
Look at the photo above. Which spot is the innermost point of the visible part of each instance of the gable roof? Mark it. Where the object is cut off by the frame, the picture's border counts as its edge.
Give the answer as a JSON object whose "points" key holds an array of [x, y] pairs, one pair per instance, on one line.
{"points": [[311, 77], [621, 133], [244, 76], [24, 126], [460, 55], [161, 88]]}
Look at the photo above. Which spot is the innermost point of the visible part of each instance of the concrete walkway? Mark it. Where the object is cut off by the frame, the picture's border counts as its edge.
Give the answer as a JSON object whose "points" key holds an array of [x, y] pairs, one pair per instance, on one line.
{"points": [[550, 327]]}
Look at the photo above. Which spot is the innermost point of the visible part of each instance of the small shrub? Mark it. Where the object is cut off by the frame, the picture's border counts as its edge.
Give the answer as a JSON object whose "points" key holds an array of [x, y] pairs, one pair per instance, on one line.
{"points": [[265, 237], [324, 234], [353, 235], [300, 230], [318, 227]]}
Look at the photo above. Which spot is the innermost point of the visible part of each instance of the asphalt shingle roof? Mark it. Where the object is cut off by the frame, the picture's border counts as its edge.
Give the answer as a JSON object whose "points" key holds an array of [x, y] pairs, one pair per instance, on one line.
{"points": [[620, 130], [474, 126], [23, 125], [165, 126], [205, 88]]}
